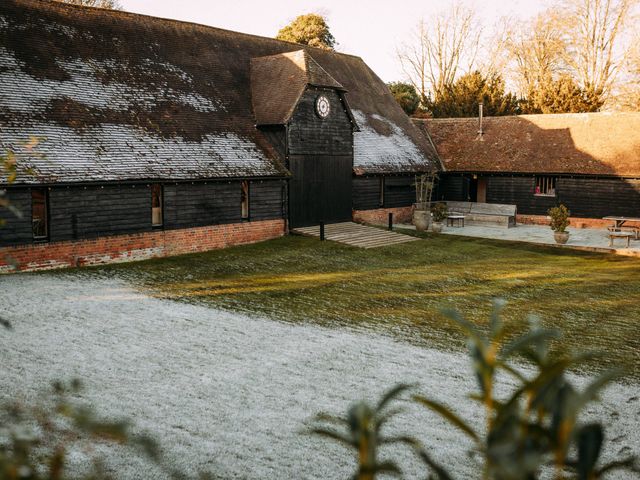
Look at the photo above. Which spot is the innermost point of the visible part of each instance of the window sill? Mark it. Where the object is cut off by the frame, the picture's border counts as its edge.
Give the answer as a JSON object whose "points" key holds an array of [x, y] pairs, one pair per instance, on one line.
{"points": [[548, 195]]}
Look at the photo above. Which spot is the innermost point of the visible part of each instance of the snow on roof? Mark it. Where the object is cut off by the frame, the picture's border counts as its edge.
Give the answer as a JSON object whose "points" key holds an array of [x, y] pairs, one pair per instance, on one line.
{"points": [[385, 149], [119, 96]]}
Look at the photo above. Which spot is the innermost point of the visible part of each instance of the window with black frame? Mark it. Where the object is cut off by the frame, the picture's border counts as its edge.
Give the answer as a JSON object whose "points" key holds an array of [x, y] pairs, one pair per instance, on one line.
{"points": [[40, 213], [244, 199], [545, 186], [156, 205]]}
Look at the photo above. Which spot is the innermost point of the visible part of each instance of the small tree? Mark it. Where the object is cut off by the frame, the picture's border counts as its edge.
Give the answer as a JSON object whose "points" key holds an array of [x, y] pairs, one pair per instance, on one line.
{"points": [[310, 29], [559, 218], [424, 189], [439, 212], [406, 96]]}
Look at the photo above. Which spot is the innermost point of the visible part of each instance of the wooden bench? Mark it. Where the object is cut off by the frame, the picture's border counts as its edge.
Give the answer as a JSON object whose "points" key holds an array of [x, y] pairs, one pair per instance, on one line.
{"points": [[617, 234], [635, 231], [485, 213]]}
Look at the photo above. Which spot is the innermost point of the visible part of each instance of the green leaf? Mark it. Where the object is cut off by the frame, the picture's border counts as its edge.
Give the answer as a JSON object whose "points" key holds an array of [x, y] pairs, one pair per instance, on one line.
{"points": [[467, 327], [528, 339], [447, 414], [590, 439], [591, 392], [392, 394], [334, 435]]}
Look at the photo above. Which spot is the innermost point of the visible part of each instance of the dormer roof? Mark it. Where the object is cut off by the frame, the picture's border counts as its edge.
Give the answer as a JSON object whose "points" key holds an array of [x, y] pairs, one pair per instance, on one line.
{"points": [[278, 82]]}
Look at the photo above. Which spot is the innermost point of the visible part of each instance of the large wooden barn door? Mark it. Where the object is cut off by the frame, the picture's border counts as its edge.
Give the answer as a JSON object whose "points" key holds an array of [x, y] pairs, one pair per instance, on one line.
{"points": [[320, 190], [320, 154]]}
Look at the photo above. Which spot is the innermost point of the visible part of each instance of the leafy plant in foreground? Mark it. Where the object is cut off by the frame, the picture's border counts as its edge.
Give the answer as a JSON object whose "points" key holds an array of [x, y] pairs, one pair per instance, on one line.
{"points": [[35, 439], [533, 430], [361, 430]]}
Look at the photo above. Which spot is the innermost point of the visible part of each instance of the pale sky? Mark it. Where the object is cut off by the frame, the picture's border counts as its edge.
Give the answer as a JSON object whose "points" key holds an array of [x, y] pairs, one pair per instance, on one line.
{"points": [[370, 29]]}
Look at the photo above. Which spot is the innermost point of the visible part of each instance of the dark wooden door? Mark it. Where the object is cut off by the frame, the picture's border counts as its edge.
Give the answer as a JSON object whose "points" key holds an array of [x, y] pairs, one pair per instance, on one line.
{"points": [[320, 190]]}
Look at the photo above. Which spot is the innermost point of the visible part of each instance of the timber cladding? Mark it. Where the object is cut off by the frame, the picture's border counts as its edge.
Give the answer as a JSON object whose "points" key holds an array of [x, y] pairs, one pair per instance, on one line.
{"points": [[585, 197], [139, 246], [84, 212], [397, 191]]}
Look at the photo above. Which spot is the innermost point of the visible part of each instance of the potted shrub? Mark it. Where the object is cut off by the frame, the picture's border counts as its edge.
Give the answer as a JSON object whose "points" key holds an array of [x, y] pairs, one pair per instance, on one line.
{"points": [[439, 213], [421, 213], [559, 223]]}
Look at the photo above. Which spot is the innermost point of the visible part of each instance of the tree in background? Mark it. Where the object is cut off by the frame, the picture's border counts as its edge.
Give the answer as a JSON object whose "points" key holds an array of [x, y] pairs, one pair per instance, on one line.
{"points": [[310, 29], [563, 95], [628, 97], [465, 95], [406, 95], [110, 4], [440, 50], [536, 51], [593, 29]]}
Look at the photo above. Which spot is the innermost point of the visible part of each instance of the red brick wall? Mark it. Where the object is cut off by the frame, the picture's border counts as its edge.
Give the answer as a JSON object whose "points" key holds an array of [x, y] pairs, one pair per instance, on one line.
{"points": [[139, 246], [380, 216], [575, 222]]}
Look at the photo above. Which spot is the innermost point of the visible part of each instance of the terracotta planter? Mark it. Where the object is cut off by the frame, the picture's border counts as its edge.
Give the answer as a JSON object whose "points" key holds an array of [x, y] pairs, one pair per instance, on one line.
{"points": [[421, 219], [436, 227], [561, 237]]}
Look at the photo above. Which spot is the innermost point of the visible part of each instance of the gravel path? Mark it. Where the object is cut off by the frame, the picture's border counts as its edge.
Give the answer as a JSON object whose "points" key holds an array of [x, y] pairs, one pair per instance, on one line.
{"points": [[229, 393]]}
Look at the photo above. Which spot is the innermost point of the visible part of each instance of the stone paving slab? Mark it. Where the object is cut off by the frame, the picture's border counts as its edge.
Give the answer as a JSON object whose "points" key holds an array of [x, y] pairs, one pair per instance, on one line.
{"points": [[589, 239]]}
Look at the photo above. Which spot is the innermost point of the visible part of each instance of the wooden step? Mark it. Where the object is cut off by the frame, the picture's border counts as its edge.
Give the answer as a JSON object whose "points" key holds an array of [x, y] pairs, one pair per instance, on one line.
{"points": [[356, 235]]}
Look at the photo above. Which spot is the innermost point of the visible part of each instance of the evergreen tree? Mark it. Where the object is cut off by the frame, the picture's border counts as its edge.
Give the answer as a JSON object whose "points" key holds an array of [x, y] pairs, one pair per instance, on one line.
{"points": [[561, 96], [464, 97], [406, 95]]}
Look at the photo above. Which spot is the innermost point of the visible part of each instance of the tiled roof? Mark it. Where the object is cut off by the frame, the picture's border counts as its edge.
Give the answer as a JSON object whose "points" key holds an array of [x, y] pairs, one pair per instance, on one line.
{"points": [[606, 144], [117, 96], [278, 82]]}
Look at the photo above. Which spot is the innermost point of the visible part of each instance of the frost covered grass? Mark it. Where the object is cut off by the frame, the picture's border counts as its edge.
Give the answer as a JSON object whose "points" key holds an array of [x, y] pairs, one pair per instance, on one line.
{"points": [[231, 393], [398, 290]]}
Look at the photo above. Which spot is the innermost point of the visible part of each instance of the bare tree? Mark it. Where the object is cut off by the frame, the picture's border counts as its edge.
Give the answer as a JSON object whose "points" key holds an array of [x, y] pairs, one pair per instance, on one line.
{"points": [[440, 50], [536, 51], [110, 4], [627, 96], [593, 30]]}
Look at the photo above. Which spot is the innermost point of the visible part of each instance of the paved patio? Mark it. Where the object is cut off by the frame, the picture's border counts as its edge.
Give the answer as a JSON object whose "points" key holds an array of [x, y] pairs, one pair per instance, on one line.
{"points": [[590, 239]]}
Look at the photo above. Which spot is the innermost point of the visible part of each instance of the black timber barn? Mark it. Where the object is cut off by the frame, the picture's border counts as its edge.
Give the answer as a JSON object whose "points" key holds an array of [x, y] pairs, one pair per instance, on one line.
{"points": [[137, 136], [589, 162]]}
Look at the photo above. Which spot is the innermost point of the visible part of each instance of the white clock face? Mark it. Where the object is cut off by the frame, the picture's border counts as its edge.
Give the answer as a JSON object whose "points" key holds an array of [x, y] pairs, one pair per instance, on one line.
{"points": [[323, 107]]}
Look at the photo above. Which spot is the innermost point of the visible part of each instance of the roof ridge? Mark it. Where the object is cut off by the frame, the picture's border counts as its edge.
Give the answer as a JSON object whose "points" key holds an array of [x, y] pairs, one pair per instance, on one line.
{"points": [[62, 6], [529, 115]]}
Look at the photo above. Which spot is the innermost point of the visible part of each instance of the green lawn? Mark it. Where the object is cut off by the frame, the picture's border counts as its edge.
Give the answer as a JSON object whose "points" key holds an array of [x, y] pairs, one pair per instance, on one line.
{"points": [[593, 298]]}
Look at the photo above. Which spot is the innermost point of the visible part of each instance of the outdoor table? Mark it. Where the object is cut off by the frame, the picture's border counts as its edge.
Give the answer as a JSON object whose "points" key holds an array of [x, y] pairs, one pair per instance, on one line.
{"points": [[619, 221], [457, 218]]}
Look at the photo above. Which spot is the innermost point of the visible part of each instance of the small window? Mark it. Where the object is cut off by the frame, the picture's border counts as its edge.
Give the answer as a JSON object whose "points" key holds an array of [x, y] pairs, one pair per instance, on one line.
{"points": [[156, 205], [381, 187], [245, 199], [545, 186], [40, 213]]}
